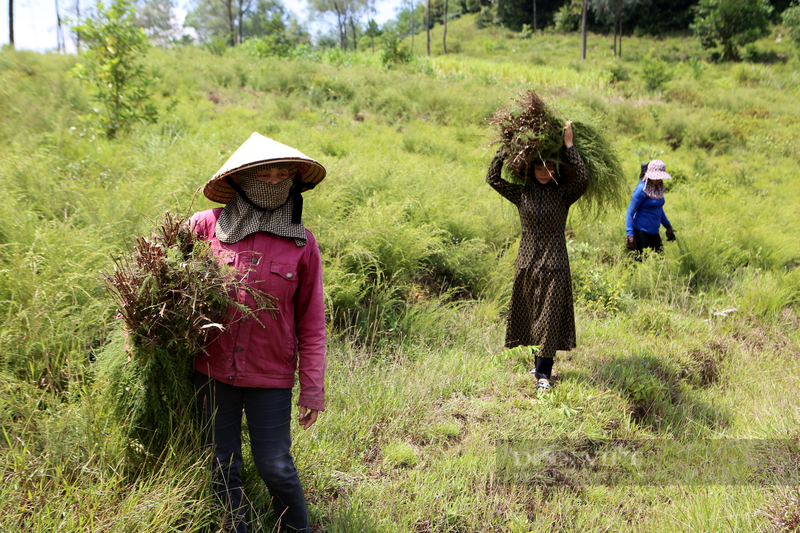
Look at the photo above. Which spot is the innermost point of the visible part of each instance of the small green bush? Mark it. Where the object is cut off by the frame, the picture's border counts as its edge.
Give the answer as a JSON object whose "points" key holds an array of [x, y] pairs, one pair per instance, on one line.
{"points": [[568, 17], [674, 126], [113, 44], [394, 51], [619, 72], [655, 73], [711, 136]]}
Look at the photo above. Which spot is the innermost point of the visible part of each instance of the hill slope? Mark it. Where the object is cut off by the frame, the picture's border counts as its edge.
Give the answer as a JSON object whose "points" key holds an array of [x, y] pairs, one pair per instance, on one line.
{"points": [[419, 256]]}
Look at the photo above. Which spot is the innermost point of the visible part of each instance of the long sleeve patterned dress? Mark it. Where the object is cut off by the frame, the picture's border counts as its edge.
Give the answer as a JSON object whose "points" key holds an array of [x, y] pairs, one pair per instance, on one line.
{"points": [[541, 311]]}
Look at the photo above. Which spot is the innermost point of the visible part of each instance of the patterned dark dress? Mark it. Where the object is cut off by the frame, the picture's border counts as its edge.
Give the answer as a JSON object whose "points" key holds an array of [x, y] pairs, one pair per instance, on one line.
{"points": [[541, 311]]}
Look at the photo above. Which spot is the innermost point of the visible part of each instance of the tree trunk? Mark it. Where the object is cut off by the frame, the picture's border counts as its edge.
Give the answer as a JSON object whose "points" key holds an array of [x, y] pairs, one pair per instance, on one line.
{"points": [[620, 37], [615, 38], [239, 29], [341, 22], [534, 16], [413, 24], [59, 32], [583, 29], [11, 23], [231, 23], [444, 38], [428, 27], [355, 34], [78, 20]]}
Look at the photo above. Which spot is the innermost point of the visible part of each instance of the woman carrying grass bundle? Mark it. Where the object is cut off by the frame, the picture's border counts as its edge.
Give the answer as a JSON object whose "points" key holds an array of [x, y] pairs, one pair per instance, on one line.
{"points": [[251, 365], [541, 311], [646, 209]]}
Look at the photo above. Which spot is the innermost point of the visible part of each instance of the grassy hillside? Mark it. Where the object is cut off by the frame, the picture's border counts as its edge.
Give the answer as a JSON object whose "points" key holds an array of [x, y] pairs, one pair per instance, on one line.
{"points": [[419, 255]]}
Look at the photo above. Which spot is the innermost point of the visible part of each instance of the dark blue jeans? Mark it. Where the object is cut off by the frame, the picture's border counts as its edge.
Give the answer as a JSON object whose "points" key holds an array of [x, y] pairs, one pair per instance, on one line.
{"points": [[269, 414]]}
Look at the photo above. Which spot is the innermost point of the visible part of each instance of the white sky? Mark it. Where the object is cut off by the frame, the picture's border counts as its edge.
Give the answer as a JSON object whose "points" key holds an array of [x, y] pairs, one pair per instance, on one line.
{"points": [[35, 20]]}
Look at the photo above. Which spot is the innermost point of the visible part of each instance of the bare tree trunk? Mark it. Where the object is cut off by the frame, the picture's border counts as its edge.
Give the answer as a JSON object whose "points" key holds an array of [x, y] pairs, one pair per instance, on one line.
{"points": [[620, 37], [239, 29], [355, 34], [413, 24], [59, 32], [231, 23], [534, 16], [615, 38], [583, 29], [341, 22], [11, 22], [428, 27], [78, 19], [444, 37]]}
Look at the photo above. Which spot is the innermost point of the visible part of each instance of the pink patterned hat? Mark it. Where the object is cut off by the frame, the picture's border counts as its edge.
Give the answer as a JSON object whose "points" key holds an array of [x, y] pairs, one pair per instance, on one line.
{"points": [[657, 170]]}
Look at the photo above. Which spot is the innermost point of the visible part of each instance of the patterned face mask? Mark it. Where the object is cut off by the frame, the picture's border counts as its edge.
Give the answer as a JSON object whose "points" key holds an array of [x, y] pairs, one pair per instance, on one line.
{"points": [[265, 195]]}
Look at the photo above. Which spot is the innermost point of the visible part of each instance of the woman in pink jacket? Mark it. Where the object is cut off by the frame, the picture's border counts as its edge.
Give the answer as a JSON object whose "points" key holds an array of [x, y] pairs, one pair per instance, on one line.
{"points": [[251, 366]]}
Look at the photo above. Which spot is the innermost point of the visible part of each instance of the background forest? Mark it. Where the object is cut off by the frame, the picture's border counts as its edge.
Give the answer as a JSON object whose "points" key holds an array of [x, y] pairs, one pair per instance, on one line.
{"points": [[700, 342]]}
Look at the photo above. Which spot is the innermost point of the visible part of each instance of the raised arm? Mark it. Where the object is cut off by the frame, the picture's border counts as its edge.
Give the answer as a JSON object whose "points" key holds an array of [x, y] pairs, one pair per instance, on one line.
{"points": [[512, 192], [575, 188]]}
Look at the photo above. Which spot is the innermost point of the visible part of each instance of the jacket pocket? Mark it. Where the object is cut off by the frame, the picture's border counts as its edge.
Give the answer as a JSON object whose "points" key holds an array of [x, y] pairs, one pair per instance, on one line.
{"points": [[283, 280]]}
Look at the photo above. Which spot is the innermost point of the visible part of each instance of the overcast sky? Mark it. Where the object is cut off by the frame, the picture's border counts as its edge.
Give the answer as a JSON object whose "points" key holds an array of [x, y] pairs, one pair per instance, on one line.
{"points": [[35, 20]]}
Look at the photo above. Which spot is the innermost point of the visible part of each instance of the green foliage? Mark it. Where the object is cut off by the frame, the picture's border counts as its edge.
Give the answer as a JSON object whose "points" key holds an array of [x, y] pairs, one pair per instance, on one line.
{"points": [[112, 45], [394, 51], [522, 358], [568, 17], [655, 73], [791, 19], [730, 24]]}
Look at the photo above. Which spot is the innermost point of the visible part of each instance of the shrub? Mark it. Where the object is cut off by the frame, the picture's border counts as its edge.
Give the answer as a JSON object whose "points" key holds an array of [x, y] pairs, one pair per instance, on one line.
{"points": [[568, 17], [674, 126], [394, 51], [655, 73], [685, 94], [113, 45], [730, 24], [791, 19], [711, 136], [619, 72]]}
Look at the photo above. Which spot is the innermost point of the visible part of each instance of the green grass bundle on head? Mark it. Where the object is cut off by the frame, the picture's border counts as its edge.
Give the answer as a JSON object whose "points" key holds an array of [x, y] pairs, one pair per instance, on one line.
{"points": [[530, 130], [172, 296]]}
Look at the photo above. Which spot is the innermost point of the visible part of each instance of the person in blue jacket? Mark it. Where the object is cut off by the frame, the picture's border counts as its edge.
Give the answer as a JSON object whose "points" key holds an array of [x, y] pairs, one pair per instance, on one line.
{"points": [[646, 210]]}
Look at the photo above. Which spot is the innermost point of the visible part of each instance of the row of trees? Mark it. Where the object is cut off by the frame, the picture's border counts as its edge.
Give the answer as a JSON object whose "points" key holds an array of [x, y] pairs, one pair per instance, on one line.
{"points": [[728, 24]]}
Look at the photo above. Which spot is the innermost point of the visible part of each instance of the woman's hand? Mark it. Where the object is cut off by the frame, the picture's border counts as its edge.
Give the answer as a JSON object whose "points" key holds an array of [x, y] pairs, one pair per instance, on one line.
{"points": [[307, 420], [568, 134], [630, 242]]}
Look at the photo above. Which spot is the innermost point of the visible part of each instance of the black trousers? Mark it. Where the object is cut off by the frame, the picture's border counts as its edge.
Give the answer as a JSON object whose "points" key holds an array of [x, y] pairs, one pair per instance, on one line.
{"points": [[647, 240]]}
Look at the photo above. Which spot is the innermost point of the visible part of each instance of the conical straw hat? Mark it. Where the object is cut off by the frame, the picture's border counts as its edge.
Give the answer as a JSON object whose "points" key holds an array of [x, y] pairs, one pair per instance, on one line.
{"points": [[259, 150]]}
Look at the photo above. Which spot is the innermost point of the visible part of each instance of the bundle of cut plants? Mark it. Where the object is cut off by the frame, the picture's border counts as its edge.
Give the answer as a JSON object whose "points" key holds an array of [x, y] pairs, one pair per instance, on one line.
{"points": [[531, 131], [173, 297]]}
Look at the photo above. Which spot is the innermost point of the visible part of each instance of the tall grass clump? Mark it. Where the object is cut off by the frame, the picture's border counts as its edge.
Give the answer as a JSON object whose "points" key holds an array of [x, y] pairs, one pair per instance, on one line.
{"points": [[531, 130], [173, 297]]}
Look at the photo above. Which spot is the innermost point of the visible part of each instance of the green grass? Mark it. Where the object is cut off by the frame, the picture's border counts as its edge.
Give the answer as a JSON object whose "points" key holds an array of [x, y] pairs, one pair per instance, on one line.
{"points": [[418, 259]]}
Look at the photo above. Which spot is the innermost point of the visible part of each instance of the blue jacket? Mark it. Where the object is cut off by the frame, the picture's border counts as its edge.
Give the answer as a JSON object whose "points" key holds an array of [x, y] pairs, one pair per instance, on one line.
{"points": [[644, 213]]}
